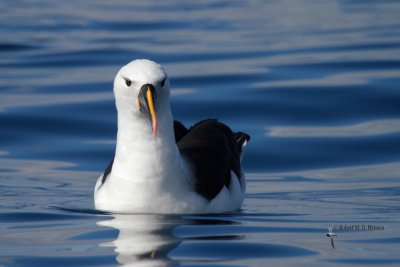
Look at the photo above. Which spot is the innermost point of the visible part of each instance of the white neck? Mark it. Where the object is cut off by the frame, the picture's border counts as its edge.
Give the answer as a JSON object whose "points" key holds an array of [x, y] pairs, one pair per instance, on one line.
{"points": [[140, 155], [148, 173]]}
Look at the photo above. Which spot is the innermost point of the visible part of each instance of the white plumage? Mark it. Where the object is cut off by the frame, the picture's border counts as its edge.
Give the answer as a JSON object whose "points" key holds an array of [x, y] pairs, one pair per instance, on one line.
{"points": [[149, 175]]}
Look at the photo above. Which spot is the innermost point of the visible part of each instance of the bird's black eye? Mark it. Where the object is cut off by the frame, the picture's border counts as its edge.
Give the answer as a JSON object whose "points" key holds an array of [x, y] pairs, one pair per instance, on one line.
{"points": [[163, 82], [128, 82]]}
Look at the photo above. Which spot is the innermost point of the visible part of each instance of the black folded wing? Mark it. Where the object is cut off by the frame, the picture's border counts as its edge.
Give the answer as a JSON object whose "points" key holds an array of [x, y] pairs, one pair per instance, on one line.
{"points": [[213, 151]]}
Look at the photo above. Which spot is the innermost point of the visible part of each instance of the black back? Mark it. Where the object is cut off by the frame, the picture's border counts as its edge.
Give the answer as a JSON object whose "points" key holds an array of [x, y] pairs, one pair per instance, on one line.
{"points": [[213, 151], [180, 131]]}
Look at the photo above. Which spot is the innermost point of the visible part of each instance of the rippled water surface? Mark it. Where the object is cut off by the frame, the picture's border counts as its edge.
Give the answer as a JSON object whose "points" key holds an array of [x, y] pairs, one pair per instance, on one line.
{"points": [[315, 83]]}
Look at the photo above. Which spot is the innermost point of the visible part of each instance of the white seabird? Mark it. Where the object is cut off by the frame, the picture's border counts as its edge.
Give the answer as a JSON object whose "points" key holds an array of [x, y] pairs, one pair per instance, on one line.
{"points": [[331, 234], [159, 165]]}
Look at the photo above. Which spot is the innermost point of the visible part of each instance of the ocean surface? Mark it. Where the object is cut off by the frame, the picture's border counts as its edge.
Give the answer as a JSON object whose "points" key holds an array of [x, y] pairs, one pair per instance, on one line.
{"points": [[315, 83]]}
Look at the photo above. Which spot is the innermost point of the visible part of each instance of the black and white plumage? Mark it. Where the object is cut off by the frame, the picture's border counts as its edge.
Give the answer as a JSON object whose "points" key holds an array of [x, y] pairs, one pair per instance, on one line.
{"points": [[331, 235], [160, 166]]}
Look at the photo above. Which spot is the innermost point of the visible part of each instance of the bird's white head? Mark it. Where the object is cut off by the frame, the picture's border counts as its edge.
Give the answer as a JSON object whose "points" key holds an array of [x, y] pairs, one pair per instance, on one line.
{"points": [[141, 89]]}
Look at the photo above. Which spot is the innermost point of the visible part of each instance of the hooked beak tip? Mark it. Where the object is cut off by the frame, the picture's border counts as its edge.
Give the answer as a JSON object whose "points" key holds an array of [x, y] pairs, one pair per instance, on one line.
{"points": [[155, 127]]}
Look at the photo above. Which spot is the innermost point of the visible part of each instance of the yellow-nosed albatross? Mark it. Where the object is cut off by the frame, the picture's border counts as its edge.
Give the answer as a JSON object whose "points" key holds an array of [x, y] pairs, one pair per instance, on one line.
{"points": [[159, 165]]}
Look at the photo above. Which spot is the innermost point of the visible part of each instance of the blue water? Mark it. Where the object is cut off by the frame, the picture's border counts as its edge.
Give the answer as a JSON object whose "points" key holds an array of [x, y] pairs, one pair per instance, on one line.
{"points": [[315, 83]]}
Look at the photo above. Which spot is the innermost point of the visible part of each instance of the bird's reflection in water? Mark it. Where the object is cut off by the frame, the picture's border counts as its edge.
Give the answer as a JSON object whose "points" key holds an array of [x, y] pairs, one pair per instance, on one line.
{"points": [[147, 240], [143, 240]]}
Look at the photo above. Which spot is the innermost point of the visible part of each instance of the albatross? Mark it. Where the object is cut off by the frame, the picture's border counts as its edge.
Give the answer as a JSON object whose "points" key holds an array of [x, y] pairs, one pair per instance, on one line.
{"points": [[160, 166]]}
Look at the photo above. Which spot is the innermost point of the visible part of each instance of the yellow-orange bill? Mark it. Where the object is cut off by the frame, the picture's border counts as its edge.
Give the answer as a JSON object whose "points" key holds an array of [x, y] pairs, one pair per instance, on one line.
{"points": [[152, 111]]}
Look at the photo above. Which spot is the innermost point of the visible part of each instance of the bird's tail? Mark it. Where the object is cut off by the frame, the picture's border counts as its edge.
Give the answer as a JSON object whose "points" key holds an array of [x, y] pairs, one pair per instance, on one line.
{"points": [[241, 141]]}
